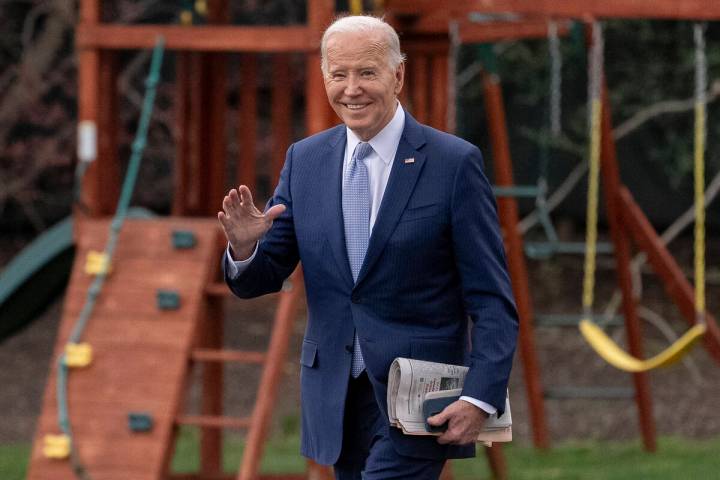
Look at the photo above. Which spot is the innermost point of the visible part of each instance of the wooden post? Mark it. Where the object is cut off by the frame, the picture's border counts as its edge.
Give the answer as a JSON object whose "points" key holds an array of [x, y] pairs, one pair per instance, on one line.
{"points": [[96, 91], [192, 128], [281, 115], [211, 166], [215, 98], [246, 171], [509, 218], [447, 472], [419, 84], [497, 462], [318, 113], [318, 472], [181, 167], [108, 166], [211, 439], [621, 244], [439, 79], [272, 371]]}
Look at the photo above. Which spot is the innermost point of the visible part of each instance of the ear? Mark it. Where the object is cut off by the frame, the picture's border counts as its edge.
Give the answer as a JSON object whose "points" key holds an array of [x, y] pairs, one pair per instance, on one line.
{"points": [[399, 78]]}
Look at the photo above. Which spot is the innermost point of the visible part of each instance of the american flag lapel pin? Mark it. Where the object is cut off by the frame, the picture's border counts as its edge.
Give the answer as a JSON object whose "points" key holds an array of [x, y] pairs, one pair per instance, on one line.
{"points": [[409, 160]]}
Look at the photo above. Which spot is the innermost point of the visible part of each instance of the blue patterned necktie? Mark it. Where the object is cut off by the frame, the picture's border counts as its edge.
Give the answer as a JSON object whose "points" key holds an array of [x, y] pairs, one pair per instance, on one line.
{"points": [[356, 214]]}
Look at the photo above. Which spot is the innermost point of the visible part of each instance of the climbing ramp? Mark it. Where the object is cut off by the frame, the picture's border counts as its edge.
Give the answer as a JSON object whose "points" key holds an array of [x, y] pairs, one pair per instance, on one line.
{"points": [[141, 334]]}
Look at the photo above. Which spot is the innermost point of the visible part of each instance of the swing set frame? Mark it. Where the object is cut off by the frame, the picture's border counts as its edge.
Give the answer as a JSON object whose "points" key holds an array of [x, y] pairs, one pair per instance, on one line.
{"points": [[626, 220]]}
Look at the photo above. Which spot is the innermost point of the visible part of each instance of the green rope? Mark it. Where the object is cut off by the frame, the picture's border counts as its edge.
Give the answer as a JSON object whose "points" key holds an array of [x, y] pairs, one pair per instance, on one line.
{"points": [[138, 147]]}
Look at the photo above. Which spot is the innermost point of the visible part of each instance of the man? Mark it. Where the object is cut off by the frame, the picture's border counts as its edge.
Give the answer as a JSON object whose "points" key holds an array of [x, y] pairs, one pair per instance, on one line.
{"points": [[396, 228]]}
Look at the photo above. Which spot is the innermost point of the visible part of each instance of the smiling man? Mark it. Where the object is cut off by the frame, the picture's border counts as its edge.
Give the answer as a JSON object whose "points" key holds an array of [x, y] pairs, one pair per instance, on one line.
{"points": [[397, 231]]}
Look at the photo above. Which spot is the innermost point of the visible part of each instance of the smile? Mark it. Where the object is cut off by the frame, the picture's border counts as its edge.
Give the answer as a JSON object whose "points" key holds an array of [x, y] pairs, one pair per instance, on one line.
{"points": [[356, 106]]}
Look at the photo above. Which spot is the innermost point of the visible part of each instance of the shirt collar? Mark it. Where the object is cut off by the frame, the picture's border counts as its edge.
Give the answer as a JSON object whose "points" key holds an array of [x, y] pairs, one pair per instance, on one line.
{"points": [[386, 142]]}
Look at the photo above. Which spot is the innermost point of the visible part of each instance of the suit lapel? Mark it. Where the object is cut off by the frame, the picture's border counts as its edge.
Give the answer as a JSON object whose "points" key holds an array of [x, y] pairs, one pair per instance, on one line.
{"points": [[401, 183], [330, 184]]}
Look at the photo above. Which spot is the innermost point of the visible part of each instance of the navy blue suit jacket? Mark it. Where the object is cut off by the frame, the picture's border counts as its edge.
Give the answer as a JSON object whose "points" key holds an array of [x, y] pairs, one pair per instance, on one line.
{"points": [[435, 260]]}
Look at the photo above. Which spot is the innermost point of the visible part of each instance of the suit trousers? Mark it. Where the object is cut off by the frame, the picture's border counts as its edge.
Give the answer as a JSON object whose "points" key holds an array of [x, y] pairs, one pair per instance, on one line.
{"points": [[367, 452]]}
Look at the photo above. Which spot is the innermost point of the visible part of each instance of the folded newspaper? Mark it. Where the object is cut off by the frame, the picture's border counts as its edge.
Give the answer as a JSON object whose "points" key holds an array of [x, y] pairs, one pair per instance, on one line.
{"points": [[411, 381]]}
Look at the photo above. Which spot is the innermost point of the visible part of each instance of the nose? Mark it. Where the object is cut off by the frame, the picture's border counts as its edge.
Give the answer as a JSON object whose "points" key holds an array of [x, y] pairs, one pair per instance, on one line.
{"points": [[352, 87]]}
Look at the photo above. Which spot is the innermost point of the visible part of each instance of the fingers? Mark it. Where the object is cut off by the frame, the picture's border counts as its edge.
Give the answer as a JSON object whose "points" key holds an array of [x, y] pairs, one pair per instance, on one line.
{"points": [[246, 199], [464, 423], [237, 200], [454, 434], [439, 419], [231, 203], [224, 220], [275, 211]]}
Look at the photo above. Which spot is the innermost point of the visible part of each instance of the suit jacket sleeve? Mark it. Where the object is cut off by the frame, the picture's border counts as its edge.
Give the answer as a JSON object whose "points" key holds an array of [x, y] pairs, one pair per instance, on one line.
{"points": [[277, 253], [487, 291]]}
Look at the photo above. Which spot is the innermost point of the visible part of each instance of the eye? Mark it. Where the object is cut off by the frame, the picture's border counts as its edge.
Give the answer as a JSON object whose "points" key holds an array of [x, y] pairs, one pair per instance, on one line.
{"points": [[368, 73], [337, 75]]}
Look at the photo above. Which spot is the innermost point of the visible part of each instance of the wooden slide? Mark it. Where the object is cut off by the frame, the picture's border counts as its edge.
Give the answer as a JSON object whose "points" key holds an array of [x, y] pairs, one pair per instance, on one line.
{"points": [[140, 352]]}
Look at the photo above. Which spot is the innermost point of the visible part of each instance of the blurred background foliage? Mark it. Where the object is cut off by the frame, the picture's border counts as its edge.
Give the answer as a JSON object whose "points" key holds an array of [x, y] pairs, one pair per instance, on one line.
{"points": [[650, 68], [649, 65]]}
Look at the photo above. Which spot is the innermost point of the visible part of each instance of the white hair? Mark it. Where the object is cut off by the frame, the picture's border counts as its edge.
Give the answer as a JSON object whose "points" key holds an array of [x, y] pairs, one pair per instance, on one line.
{"points": [[364, 24]]}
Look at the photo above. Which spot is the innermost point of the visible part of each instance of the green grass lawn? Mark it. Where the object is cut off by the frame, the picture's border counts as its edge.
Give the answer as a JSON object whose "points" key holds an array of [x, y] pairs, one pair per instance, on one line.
{"points": [[675, 459]]}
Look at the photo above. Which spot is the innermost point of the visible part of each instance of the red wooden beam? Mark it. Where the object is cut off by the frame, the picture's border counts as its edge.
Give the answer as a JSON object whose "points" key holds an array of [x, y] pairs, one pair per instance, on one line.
{"points": [[665, 266], [240, 356], [214, 96], [205, 38], [108, 169], [621, 250], [438, 22], [88, 110], [215, 99], [181, 164], [659, 9], [509, 218], [211, 438], [504, 31], [318, 113], [435, 44], [281, 114], [271, 376], [194, 130], [497, 462], [439, 86], [419, 85], [246, 171]]}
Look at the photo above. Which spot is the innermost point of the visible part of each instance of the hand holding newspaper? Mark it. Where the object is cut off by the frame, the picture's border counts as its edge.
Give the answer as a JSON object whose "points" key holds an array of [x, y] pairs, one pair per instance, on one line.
{"points": [[411, 382]]}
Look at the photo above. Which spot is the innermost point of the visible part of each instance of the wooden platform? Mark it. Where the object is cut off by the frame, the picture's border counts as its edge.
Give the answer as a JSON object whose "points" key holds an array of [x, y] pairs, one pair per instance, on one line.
{"points": [[140, 353]]}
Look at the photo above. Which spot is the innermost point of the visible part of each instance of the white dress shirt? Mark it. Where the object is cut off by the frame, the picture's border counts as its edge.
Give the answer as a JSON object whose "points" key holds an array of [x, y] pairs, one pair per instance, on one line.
{"points": [[379, 164]]}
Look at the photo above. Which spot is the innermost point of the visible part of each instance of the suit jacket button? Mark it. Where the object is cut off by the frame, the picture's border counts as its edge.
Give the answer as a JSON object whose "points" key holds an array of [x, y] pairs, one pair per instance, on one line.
{"points": [[349, 348], [355, 298]]}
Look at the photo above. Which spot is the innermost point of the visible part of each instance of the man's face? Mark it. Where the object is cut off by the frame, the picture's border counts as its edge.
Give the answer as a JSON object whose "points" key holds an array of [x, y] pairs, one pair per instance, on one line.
{"points": [[360, 85]]}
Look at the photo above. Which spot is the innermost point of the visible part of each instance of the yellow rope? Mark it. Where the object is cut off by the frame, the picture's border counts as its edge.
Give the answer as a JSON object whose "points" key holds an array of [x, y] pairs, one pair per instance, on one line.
{"points": [[598, 340], [592, 208], [699, 167]]}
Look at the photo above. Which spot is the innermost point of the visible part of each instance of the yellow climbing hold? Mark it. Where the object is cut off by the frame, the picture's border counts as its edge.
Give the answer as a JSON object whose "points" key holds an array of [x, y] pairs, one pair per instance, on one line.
{"points": [[201, 7], [78, 355], [186, 17], [97, 263], [56, 446]]}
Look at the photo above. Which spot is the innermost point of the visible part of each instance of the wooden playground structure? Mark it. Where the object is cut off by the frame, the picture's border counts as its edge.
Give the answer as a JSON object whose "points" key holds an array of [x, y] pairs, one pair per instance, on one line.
{"points": [[161, 310]]}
